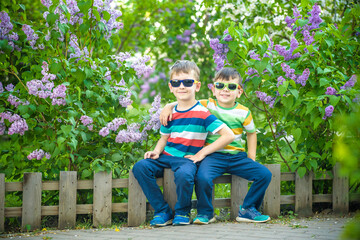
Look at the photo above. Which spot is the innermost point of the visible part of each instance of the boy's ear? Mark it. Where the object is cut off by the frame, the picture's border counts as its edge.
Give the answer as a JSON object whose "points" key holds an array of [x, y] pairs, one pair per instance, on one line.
{"points": [[198, 85], [241, 90], [170, 87], [213, 89]]}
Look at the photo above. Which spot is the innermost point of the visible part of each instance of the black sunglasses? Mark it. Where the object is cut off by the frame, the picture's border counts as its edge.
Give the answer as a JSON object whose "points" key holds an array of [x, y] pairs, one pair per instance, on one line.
{"points": [[185, 82], [230, 86]]}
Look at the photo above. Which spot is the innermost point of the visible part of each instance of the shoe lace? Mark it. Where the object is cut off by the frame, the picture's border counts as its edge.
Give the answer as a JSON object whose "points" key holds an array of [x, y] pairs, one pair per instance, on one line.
{"points": [[254, 211], [185, 216]]}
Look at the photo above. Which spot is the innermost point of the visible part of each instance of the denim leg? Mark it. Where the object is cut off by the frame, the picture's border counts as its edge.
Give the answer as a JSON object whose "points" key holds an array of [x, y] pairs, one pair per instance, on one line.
{"points": [[210, 168], [245, 167], [146, 171], [184, 173]]}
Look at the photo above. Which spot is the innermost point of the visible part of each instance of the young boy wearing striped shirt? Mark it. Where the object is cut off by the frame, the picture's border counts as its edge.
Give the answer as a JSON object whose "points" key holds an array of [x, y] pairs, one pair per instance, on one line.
{"points": [[180, 147], [231, 159]]}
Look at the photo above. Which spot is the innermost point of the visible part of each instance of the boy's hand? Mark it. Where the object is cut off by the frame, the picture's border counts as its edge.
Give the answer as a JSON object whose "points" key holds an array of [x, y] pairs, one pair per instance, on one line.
{"points": [[152, 155], [166, 115], [195, 158]]}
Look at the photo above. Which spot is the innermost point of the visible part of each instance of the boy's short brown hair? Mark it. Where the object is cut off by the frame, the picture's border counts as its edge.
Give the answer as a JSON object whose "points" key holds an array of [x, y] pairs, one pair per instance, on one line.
{"points": [[227, 74], [185, 66]]}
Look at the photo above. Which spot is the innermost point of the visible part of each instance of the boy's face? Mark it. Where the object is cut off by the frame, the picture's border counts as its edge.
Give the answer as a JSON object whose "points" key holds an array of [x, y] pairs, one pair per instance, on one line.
{"points": [[226, 97], [183, 93]]}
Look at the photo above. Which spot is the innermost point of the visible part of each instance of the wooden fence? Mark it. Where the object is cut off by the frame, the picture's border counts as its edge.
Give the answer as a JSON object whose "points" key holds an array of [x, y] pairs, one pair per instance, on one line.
{"points": [[102, 207]]}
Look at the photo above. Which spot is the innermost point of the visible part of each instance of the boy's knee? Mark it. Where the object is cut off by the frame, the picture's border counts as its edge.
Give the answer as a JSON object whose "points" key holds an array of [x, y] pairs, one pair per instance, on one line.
{"points": [[267, 175], [184, 177], [139, 167], [203, 179]]}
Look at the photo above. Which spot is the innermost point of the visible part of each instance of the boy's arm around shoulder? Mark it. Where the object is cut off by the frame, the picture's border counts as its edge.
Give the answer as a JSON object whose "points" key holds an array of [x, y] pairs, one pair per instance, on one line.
{"points": [[154, 154], [166, 113], [251, 144], [226, 137]]}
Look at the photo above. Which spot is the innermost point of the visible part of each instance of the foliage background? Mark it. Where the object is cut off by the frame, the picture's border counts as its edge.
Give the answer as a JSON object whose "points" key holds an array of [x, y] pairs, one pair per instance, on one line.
{"points": [[292, 133]]}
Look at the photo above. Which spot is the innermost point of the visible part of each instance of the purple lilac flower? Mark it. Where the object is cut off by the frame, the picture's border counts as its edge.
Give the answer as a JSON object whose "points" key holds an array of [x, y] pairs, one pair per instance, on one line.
{"points": [[289, 72], [15, 101], [265, 98], [287, 54], [252, 71], [2, 128], [38, 154], [220, 52], [121, 57], [132, 134], [104, 132], [253, 55], [58, 95], [140, 68], [304, 77], [210, 86], [350, 83], [86, 120], [46, 3], [280, 80], [5, 24], [330, 91], [116, 123], [228, 37], [154, 122], [10, 87], [314, 18], [1, 88], [18, 126], [308, 39], [328, 111], [125, 100], [32, 37]]}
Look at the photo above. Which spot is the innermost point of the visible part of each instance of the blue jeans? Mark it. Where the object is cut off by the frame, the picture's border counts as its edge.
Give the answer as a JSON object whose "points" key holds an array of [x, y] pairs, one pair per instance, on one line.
{"points": [[147, 170], [216, 164]]}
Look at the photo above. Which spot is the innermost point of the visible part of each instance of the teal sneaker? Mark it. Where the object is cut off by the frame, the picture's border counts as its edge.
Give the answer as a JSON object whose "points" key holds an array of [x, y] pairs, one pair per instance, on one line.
{"points": [[251, 215], [181, 220], [203, 220], [161, 220]]}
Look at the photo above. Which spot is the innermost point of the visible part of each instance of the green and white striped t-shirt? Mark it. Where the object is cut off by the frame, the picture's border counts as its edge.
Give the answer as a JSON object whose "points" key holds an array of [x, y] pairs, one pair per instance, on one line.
{"points": [[237, 118]]}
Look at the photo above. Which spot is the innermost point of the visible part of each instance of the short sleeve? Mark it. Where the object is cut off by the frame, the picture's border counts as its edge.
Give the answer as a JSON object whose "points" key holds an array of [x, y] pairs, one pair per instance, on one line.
{"points": [[212, 124], [164, 130], [248, 124]]}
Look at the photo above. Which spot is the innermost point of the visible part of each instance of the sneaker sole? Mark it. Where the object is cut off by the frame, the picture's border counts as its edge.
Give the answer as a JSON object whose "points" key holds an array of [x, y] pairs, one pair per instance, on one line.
{"points": [[240, 219], [181, 223], [163, 224], [197, 221]]}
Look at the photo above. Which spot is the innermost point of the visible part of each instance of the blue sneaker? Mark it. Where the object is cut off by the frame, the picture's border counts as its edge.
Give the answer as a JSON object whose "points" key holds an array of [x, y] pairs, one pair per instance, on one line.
{"points": [[203, 219], [181, 220], [161, 220], [251, 215]]}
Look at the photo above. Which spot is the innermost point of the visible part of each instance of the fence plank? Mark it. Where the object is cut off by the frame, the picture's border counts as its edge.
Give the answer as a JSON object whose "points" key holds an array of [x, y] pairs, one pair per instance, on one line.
{"points": [[136, 203], [239, 189], [169, 189], [31, 208], [340, 191], [2, 201], [303, 194], [272, 194], [102, 199], [67, 199]]}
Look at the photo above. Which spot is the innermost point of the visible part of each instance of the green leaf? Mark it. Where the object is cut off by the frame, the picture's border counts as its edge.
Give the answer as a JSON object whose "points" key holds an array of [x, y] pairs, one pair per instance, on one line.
{"points": [[296, 133], [261, 65], [283, 87], [334, 100], [317, 122], [63, 27], [302, 22], [51, 18], [116, 157], [313, 163], [55, 67], [323, 82], [295, 93], [86, 173], [301, 171], [96, 14], [60, 140], [315, 155], [66, 129], [84, 6]]}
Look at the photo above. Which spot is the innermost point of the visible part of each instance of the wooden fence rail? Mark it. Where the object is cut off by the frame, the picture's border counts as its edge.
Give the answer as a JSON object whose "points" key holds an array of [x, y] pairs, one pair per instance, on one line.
{"points": [[102, 207]]}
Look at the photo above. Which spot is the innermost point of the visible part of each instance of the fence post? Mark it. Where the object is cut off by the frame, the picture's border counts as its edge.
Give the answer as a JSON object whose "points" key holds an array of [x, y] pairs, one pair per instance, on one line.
{"points": [[2, 202], [272, 195], [136, 203], [340, 192], [303, 194], [169, 188], [31, 207], [102, 199], [67, 199], [239, 189]]}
